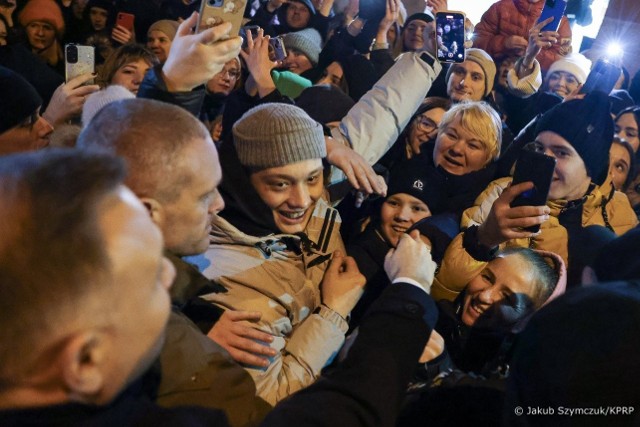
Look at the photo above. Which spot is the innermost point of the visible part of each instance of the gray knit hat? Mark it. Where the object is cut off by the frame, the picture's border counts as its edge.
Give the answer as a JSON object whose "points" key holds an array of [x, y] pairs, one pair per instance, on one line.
{"points": [[307, 41], [484, 60], [273, 134], [167, 26]]}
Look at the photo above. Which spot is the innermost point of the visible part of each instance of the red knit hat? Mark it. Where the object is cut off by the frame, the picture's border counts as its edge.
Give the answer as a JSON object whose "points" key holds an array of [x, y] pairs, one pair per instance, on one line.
{"points": [[43, 11]]}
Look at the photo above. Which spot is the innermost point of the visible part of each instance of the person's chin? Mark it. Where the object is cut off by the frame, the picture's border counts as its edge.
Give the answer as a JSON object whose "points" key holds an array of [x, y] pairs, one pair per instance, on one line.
{"points": [[460, 96], [452, 166]]}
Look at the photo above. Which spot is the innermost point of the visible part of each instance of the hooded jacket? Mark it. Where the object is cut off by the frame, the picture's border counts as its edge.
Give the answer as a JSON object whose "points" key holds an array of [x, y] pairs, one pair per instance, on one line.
{"points": [[278, 275], [602, 201], [515, 18]]}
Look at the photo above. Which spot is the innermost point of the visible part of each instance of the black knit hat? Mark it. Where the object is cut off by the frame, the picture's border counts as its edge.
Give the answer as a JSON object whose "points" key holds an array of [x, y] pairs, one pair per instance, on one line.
{"points": [[579, 351], [413, 178], [325, 103], [620, 259], [587, 125], [18, 101]]}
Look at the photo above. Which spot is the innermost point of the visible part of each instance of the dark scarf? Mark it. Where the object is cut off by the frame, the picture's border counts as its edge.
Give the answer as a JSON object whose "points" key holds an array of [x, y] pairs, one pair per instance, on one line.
{"points": [[244, 208], [460, 191]]}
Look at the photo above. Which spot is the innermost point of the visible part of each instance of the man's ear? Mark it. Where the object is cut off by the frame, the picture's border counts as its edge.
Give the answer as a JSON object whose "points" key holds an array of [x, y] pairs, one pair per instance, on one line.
{"points": [[156, 210], [83, 365]]}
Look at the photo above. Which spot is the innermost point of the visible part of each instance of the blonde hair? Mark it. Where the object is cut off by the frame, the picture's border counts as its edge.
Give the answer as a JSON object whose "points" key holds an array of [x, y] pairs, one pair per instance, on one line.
{"points": [[479, 119]]}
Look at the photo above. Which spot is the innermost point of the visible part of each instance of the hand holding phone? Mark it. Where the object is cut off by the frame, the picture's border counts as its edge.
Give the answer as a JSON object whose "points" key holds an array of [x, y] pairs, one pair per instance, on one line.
{"points": [[125, 20], [195, 58], [505, 222], [216, 12], [450, 36], [536, 168], [78, 60], [602, 77], [555, 9]]}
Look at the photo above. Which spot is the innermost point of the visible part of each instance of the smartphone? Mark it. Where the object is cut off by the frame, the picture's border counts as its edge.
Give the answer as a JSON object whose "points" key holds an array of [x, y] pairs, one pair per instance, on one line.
{"points": [[602, 77], [253, 29], [215, 12], [125, 20], [553, 8], [450, 36], [78, 59], [537, 168], [276, 45]]}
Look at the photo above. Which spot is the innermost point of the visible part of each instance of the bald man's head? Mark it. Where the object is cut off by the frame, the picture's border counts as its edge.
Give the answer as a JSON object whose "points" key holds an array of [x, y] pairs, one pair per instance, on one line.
{"points": [[173, 166]]}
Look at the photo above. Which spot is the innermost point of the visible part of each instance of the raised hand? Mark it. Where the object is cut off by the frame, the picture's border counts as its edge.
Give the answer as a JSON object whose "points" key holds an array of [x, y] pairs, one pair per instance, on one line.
{"points": [[342, 285], [411, 259], [505, 223], [68, 99], [195, 58]]}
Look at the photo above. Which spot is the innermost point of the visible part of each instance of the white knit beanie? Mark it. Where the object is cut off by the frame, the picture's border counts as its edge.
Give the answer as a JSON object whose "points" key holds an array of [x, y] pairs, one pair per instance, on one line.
{"points": [[274, 134], [574, 63], [97, 100]]}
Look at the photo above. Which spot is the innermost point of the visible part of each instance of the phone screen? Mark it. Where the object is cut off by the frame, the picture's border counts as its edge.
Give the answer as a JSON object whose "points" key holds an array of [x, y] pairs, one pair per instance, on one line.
{"points": [[450, 36]]}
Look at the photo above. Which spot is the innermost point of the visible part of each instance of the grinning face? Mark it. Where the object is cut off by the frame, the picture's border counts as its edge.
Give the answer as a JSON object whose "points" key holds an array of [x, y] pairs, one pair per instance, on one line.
{"points": [[187, 219], [291, 192], [131, 75], [627, 129], [570, 180], [500, 295], [399, 212], [160, 44], [141, 279], [298, 15], [619, 165], [458, 151], [562, 83], [41, 35], [424, 128], [466, 82]]}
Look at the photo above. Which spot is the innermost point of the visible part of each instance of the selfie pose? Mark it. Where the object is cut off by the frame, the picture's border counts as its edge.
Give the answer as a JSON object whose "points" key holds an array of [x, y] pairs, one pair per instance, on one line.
{"points": [[578, 134]]}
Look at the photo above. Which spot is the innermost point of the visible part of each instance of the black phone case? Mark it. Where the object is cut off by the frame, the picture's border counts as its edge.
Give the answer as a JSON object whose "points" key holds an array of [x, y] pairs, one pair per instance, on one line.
{"points": [[537, 168], [603, 77], [454, 43]]}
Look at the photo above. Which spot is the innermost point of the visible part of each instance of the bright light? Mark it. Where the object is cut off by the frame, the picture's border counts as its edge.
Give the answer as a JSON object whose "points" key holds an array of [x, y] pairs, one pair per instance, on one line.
{"points": [[614, 50]]}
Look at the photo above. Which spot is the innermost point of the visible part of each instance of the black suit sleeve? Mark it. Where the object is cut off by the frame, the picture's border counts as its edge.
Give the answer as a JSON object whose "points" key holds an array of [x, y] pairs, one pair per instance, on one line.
{"points": [[368, 387]]}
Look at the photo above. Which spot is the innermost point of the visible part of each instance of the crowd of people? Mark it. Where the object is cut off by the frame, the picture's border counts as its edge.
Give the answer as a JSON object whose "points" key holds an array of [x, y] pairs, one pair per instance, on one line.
{"points": [[213, 230]]}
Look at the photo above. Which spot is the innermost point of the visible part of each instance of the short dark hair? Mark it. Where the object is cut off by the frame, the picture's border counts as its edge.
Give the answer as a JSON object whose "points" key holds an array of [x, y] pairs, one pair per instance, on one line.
{"points": [[150, 136], [52, 252]]}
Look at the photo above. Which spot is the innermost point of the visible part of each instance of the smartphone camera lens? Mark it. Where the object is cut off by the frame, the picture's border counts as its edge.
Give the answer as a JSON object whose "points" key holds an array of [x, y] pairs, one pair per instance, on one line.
{"points": [[72, 54]]}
